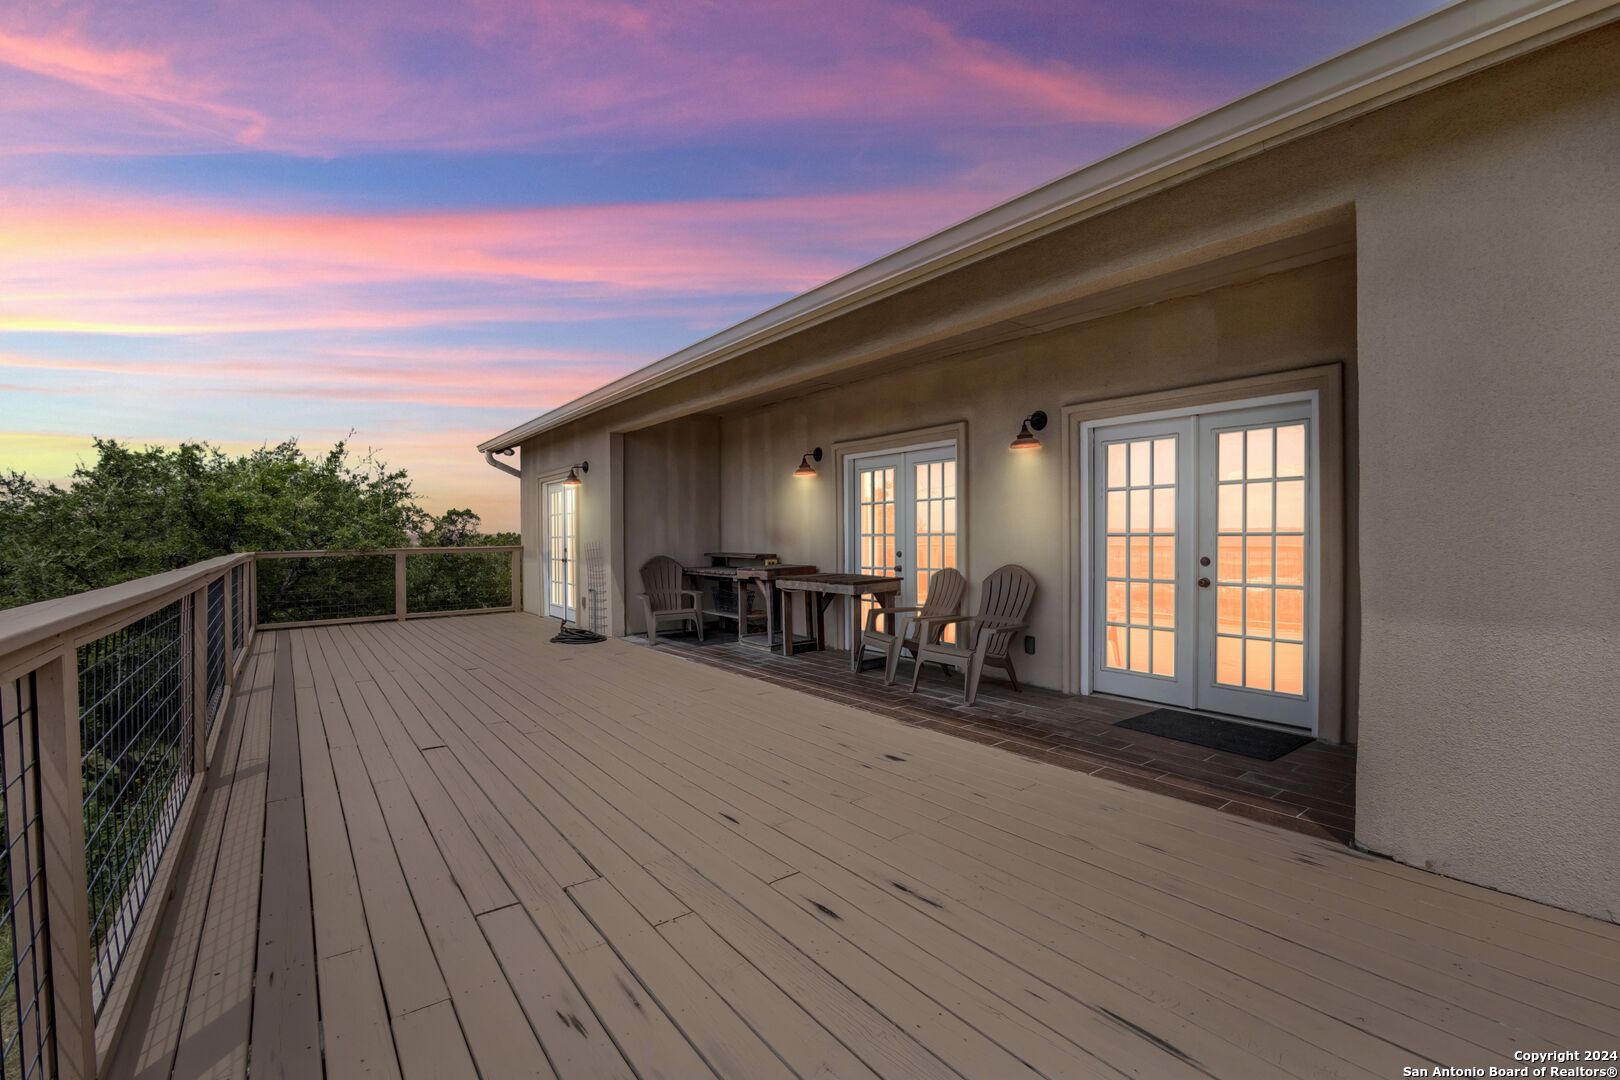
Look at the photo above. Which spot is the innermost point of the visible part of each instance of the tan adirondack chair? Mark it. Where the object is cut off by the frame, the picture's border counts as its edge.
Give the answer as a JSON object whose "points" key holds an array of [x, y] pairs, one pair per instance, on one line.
{"points": [[945, 590], [984, 639], [665, 599]]}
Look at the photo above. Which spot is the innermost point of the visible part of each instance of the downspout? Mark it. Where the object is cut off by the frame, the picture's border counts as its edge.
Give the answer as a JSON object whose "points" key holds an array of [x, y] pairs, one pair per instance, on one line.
{"points": [[489, 456]]}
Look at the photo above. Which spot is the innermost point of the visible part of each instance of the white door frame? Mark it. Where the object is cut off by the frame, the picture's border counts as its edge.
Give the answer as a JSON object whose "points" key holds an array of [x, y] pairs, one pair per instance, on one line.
{"points": [[905, 510], [954, 435], [571, 610], [1324, 385], [1188, 557]]}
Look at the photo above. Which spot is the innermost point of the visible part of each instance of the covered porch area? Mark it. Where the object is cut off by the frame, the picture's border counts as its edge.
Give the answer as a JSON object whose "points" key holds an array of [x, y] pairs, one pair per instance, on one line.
{"points": [[450, 847]]}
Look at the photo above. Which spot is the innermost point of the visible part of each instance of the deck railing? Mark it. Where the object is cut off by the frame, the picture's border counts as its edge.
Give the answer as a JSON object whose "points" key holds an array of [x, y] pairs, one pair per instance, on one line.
{"points": [[309, 588], [108, 709]]}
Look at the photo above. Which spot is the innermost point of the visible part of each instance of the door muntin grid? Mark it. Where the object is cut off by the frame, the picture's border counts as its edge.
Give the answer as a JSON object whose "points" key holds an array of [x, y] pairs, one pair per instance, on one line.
{"points": [[877, 521], [1262, 558], [1140, 518], [933, 540], [876, 508], [560, 540], [904, 512]]}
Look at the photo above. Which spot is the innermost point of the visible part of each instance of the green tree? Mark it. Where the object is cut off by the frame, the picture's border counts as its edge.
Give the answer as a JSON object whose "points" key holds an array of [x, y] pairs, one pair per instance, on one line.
{"points": [[134, 512]]}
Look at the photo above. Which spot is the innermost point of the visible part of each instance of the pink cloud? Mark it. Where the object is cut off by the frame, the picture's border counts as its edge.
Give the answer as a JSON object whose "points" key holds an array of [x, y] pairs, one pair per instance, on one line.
{"points": [[504, 73], [76, 262], [488, 378]]}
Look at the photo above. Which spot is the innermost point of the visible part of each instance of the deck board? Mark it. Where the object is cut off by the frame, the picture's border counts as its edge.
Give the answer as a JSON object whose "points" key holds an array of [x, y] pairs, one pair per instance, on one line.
{"points": [[498, 856]]}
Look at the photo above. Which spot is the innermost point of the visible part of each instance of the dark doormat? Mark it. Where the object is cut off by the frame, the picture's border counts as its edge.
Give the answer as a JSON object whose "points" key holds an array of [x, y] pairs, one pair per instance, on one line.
{"points": [[1262, 744]]}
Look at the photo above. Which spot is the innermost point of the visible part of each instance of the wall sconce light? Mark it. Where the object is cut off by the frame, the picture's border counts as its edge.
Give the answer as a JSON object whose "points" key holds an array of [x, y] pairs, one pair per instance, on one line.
{"points": [[1035, 421], [805, 468], [572, 479]]}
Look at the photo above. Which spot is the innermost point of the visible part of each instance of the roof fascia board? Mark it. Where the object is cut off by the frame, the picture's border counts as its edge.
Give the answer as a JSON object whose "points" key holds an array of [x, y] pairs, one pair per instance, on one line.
{"points": [[1440, 47]]}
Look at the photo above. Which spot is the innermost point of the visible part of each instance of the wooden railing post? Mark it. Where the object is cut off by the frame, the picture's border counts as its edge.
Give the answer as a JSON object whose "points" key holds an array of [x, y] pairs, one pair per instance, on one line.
{"points": [[399, 585], [199, 680], [517, 580], [61, 782]]}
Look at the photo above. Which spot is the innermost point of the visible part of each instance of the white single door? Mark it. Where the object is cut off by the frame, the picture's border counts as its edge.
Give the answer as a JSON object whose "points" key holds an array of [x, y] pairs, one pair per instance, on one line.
{"points": [[558, 558], [904, 516], [1203, 549]]}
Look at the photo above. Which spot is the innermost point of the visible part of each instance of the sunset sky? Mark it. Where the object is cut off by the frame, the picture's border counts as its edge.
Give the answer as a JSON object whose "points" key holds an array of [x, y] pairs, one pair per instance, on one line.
{"points": [[429, 221]]}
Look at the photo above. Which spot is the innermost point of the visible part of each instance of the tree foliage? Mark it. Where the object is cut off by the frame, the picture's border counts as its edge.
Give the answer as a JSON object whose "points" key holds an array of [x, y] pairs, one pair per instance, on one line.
{"points": [[134, 512]]}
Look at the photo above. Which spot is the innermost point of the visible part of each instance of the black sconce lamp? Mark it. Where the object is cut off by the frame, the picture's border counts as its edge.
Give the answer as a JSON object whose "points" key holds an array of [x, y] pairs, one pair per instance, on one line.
{"points": [[572, 479], [805, 468], [1026, 440]]}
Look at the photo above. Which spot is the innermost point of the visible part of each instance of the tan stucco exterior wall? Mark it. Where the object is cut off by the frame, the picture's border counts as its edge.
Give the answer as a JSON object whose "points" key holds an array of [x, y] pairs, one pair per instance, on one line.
{"points": [[1490, 402], [1480, 318]]}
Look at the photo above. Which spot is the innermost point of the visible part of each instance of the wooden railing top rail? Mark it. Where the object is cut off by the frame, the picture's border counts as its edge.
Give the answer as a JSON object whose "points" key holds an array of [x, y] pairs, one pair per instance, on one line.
{"points": [[22, 628], [462, 549]]}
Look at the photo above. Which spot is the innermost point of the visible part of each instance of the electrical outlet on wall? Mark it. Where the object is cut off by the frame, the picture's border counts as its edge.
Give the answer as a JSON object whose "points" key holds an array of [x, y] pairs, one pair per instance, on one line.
{"points": [[1029, 644]]}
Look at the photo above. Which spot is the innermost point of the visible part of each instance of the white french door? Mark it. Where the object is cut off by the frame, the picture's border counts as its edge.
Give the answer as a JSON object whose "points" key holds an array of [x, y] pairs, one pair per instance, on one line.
{"points": [[558, 502], [903, 516], [1203, 561]]}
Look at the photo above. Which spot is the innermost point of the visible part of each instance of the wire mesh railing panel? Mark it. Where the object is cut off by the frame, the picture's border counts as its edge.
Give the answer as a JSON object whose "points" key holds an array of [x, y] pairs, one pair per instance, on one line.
{"points": [[459, 581], [237, 608], [214, 628], [27, 1015], [136, 743], [299, 589]]}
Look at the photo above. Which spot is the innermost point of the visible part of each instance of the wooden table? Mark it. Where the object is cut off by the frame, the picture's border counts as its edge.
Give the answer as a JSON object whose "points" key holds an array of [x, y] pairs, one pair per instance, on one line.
{"points": [[764, 578], [824, 587]]}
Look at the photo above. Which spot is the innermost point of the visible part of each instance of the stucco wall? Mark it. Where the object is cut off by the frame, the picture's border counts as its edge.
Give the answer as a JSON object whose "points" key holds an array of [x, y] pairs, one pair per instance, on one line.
{"points": [[1489, 286], [1484, 333]]}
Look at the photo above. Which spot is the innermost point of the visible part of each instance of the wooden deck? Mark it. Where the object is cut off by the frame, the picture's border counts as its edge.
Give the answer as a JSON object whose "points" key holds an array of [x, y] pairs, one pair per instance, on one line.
{"points": [[449, 848]]}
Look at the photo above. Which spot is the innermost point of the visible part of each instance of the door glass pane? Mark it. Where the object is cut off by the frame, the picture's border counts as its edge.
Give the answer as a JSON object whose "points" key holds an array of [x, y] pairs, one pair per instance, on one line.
{"points": [[1230, 503], [1116, 465], [1257, 664], [1164, 606], [1231, 455], [1263, 544], [1164, 653], [1229, 661], [1291, 450], [1141, 649], [1140, 565], [1229, 609], [1258, 464], [1258, 517], [1291, 506], [1117, 522], [1290, 604], [1164, 461], [1290, 669], [1290, 562]]}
